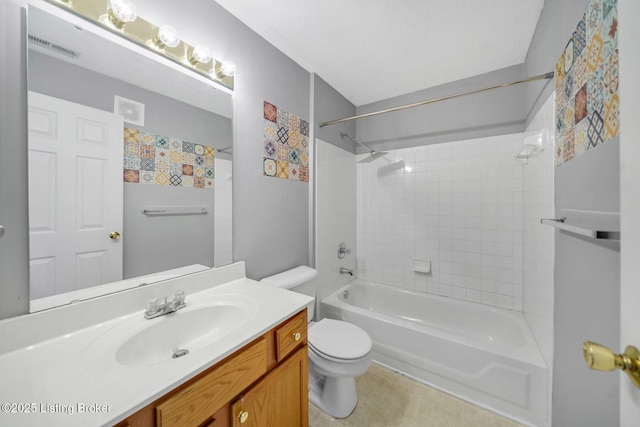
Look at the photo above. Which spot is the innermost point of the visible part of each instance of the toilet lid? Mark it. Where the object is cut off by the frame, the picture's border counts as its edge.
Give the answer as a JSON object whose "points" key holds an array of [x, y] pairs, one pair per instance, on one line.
{"points": [[340, 340]]}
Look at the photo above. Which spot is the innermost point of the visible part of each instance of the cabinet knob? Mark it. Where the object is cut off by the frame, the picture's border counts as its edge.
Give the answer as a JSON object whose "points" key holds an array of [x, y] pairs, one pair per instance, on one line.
{"points": [[243, 416], [296, 336]]}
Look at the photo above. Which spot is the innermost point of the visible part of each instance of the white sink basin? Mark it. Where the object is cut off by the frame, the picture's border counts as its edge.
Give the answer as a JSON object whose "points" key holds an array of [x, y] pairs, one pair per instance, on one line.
{"points": [[172, 334], [139, 342]]}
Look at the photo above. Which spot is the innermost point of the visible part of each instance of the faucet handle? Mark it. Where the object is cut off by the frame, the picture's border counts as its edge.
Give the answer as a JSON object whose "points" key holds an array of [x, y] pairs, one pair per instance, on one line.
{"points": [[343, 250], [152, 305], [179, 296]]}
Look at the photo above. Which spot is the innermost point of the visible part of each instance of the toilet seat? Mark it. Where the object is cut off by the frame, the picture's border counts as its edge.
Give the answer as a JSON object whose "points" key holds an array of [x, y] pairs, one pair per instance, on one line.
{"points": [[339, 341]]}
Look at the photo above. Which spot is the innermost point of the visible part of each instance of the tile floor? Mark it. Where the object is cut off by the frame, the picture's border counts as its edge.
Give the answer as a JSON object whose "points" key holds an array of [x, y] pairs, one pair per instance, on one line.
{"points": [[388, 399]]}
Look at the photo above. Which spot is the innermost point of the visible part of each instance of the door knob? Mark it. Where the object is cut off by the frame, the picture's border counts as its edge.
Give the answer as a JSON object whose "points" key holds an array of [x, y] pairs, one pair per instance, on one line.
{"points": [[114, 235], [600, 358]]}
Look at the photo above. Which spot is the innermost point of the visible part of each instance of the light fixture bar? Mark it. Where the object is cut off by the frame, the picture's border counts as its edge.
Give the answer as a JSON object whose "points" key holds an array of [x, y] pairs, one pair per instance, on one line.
{"points": [[443, 98], [145, 34]]}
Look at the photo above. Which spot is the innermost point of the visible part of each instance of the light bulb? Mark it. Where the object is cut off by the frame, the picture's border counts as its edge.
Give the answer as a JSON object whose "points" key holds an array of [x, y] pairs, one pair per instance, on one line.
{"points": [[167, 37], [200, 54], [228, 69], [121, 12]]}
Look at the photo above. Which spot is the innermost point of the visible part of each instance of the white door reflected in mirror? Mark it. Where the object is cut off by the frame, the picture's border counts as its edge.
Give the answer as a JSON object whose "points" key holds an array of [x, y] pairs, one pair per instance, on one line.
{"points": [[75, 196]]}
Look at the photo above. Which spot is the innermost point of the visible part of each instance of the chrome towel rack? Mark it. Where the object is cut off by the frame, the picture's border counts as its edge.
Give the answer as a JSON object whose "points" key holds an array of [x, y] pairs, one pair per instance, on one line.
{"points": [[607, 232], [175, 210]]}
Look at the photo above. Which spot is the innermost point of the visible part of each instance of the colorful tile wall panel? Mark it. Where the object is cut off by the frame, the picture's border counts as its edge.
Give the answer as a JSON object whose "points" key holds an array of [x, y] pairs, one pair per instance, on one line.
{"points": [[160, 160], [286, 144], [587, 99]]}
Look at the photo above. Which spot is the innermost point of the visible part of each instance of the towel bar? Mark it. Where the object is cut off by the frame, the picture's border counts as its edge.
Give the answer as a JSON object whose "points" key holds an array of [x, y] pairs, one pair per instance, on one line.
{"points": [[561, 224], [175, 210]]}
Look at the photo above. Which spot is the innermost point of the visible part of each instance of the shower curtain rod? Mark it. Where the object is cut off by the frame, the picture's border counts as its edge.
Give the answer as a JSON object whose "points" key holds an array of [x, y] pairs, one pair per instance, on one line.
{"points": [[443, 98]]}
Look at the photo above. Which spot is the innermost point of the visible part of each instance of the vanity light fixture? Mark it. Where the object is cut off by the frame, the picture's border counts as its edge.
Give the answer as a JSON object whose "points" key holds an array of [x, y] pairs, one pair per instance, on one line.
{"points": [[120, 17], [199, 55]]}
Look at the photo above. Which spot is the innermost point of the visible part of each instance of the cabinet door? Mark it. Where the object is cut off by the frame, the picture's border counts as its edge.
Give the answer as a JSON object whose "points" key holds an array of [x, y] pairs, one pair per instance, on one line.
{"points": [[205, 396], [279, 400]]}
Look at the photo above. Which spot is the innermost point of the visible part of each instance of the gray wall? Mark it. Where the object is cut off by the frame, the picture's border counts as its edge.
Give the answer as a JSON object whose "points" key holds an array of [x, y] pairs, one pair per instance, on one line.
{"points": [[587, 293], [490, 113], [158, 243], [329, 104], [14, 250], [150, 244], [271, 215], [556, 23]]}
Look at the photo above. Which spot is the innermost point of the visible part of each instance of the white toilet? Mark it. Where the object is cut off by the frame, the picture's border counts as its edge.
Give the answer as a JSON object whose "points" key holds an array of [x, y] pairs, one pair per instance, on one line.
{"points": [[338, 350]]}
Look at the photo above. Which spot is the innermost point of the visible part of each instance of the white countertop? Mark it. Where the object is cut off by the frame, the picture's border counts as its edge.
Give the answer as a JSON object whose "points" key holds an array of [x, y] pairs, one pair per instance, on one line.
{"points": [[74, 379]]}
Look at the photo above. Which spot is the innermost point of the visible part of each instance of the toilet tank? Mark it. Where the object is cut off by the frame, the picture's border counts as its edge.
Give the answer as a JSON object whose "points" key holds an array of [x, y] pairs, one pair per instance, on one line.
{"points": [[300, 279]]}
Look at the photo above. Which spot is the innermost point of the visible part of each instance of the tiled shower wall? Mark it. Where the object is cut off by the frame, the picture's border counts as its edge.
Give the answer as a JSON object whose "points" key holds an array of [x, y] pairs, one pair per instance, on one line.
{"points": [[458, 204], [335, 215]]}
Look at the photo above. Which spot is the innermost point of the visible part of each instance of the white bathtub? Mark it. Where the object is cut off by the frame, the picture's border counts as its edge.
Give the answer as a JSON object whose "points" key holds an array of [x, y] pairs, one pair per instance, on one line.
{"points": [[482, 354]]}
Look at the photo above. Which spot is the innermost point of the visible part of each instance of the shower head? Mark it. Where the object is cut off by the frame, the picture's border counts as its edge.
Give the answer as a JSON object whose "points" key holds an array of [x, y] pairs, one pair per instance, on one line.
{"points": [[373, 154]]}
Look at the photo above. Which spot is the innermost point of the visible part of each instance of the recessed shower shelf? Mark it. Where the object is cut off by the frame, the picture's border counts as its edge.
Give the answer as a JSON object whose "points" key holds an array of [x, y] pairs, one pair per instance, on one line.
{"points": [[604, 231]]}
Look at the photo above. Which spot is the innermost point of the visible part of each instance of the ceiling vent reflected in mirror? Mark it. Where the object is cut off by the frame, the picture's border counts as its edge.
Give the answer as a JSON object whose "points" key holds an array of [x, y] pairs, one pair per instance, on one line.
{"points": [[45, 44], [132, 111]]}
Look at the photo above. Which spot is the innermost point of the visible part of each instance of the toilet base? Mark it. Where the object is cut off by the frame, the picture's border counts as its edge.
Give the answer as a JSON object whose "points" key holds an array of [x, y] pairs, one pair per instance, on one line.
{"points": [[334, 395]]}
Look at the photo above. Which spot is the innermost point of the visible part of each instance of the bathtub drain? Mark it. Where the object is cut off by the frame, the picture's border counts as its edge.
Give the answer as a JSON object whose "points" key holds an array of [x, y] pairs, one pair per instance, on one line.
{"points": [[180, 352]]}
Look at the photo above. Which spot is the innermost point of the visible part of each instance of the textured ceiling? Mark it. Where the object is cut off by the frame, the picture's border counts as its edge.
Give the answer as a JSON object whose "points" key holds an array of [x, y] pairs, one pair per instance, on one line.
{"points": [[371, 50]]}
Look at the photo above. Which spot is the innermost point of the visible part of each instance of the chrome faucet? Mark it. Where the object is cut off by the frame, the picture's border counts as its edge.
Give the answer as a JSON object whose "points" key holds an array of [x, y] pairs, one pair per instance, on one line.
{"points": [[344, 270], [156, 307]]}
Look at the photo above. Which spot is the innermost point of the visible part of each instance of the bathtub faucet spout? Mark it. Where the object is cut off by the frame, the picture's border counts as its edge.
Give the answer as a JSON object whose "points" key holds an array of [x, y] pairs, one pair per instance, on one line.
{"points": [[346, 271]]}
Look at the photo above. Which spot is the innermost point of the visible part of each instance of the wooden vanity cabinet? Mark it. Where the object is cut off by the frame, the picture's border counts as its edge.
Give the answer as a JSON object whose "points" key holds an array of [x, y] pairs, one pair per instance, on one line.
{"points": [[262, 384]]}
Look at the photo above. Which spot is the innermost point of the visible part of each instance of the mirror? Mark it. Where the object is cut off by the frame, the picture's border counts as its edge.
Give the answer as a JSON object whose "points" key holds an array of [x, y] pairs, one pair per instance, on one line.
{"points": [[127, 199]]}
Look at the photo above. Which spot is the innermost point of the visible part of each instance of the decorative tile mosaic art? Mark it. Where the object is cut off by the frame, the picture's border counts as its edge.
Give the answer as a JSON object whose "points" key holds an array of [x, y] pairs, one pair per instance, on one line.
{"points": [[160, 160], [286, 145], [587, 100]]}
